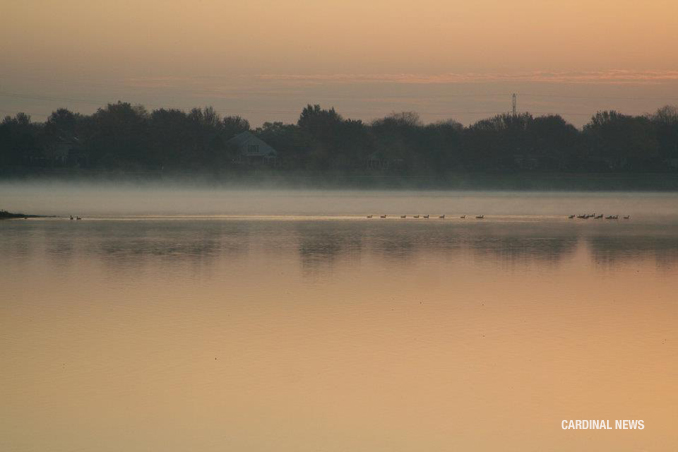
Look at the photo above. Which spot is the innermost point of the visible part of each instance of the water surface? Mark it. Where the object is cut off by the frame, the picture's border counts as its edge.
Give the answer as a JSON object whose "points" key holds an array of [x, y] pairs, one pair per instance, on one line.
{"points": [[336, 333]]}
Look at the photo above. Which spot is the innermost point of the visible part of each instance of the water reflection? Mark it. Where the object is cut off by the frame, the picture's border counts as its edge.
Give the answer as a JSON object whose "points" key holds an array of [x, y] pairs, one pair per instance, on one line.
{"points": [[611, 250], [319, 245], [351, 334]]}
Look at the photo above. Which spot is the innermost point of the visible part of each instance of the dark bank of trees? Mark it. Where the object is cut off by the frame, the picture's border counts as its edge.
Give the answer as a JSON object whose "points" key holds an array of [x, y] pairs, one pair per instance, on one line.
{"points": [[124, 137]]}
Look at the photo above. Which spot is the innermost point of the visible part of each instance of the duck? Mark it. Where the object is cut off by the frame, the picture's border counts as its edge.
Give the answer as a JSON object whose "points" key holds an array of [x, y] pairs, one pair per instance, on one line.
{"points": [[626, 217], [78, 218], [442, 217], [480, 217], [462, 217], [571, 216], [382, 216], [427, 216], [369, 216], [403, 216], [416, 216], [72, 217]]}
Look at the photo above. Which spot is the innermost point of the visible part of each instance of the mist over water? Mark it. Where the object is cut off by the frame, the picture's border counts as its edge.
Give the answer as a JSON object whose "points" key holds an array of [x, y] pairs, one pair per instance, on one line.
{"points": [[109, 199]]}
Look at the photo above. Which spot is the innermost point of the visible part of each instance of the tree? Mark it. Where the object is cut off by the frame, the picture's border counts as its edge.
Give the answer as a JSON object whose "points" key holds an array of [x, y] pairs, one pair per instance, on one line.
{"points": [[665, 121], [628, 141]]}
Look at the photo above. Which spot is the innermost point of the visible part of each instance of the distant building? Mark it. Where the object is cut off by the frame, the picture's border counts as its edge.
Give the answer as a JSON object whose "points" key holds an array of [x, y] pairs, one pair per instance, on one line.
{"points": [[379, 161], [62, 151], [252, 150], [525, 162]]}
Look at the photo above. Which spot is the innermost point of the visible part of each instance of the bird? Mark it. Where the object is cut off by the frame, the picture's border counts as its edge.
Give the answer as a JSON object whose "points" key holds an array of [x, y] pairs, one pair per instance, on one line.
{"points": [[626, 217], [403, 216], [382, 216], [71, 217], [571, 216], [78, 218], [480, 217], [462, 217], [416, 216], [426, 216], [442, 217], [369, 216]]}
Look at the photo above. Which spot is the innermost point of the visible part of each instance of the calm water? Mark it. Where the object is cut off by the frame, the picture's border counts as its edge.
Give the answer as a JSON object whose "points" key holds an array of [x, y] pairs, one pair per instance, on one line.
{"points": [[339, 333]]}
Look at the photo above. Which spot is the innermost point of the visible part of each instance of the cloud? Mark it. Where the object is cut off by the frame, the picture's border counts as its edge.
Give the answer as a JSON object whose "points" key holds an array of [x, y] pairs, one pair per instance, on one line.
{"points": [[612, 77]]}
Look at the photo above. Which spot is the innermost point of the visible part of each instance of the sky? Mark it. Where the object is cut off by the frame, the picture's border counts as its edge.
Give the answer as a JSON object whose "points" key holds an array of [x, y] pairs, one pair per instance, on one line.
{"points": [[266, 59]]}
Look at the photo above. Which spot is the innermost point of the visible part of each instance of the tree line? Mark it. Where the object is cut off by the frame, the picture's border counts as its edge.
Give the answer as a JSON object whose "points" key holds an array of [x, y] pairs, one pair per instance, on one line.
{"points": [[122, 136]]}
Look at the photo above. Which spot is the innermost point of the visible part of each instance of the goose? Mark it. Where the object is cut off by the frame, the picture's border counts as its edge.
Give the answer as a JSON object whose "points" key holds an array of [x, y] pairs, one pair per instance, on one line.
{"points": [[416, 216], [382, 216], [626, 217], [427, 216], [480, 217], [462, 217], [369, 216], [78, 218], [598, 217], [403, 216], [571, 216], [72, 217], [442, 217]]}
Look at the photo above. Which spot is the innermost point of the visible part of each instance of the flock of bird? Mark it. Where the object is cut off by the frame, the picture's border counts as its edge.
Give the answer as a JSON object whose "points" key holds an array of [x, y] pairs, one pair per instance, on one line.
{"points": [[442, 217], [76, 218], [599, 217], [480, 217]]}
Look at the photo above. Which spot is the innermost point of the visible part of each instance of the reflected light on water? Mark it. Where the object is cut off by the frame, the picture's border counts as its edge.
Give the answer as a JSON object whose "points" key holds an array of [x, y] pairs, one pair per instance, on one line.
{"points": [[336, 334]]}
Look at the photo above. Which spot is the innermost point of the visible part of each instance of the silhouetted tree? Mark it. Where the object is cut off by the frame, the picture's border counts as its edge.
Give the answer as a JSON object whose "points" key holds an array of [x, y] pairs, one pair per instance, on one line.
{"points": [[123, 136]]}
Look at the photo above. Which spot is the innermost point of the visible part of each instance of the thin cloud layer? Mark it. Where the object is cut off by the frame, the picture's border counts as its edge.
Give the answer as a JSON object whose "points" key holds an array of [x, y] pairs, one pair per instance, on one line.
{"points": [[592, 77]]}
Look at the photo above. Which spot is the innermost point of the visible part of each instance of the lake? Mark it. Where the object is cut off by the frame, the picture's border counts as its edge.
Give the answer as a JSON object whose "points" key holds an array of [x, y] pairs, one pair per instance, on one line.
{"points": [[287, 321]]}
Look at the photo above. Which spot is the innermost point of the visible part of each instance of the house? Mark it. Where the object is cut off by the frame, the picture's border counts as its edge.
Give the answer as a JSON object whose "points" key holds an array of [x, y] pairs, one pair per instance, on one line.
{"points": [[251, 149], [379, 161], [61, 151], [525, 162]]}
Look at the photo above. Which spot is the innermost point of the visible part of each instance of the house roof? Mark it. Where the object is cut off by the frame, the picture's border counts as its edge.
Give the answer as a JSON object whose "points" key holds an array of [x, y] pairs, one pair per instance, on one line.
{"points": [[250, 145], [241, 138]]}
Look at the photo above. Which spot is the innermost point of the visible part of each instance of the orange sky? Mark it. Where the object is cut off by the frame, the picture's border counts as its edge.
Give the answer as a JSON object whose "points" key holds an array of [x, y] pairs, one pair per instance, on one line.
{"points": [[265, 59]]}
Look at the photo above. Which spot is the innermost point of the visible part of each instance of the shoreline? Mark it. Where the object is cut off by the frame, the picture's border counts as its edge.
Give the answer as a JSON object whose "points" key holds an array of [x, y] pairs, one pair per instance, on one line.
{"points": [[5, 215]]}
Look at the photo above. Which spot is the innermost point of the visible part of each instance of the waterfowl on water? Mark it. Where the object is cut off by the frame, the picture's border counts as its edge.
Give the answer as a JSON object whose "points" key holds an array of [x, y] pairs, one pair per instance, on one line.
{"points": [[403, 216], [626, 217], [416, 216], [383, 216], [442, 217], [480, 217], [78, 218], [571, 216], [462, 217], [72, 217], [426, 216], [369, 216]]}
